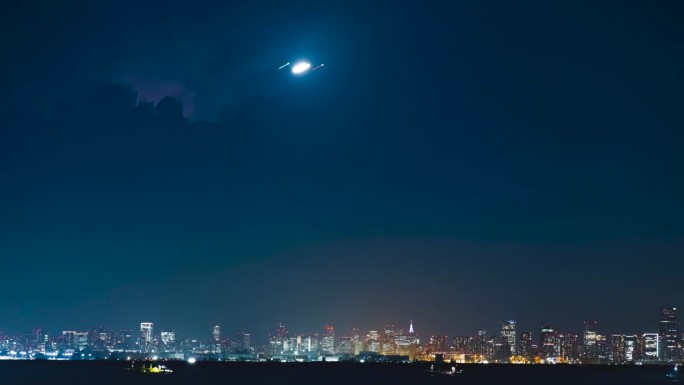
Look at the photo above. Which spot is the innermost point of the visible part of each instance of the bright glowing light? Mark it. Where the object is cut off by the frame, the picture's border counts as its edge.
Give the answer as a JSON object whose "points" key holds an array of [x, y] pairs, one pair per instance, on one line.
{"points": [[300, 67], [192, 360]]}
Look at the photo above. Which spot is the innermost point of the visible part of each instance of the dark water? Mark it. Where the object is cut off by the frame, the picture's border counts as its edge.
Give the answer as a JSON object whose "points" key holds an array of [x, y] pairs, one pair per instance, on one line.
{"points": [[89, 372]]}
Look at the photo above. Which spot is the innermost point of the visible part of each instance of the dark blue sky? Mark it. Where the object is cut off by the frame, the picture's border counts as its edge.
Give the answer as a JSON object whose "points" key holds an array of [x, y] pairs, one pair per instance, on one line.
{"points": [[455, 164]]}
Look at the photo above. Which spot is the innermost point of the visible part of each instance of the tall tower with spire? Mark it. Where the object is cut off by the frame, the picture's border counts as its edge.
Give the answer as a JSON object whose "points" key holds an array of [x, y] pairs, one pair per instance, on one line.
{"points": [[412, 341]]}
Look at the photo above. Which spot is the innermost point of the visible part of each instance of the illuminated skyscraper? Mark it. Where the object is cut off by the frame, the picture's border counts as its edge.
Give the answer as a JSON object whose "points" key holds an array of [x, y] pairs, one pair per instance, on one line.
{"points": [[390, 331], [291, 344], [277, 341], [389, 346], [402, 341], [244, 342], [124, 340], [548, 341], [216, 338], [328, 340], [216, 333], [80, 340], [668, 331], [460, 345], [40, 340], [146, 336], [345, 345], [413, 336], [508, 335], [650, 343], [489, 347], [168, 338], [373, 341], [569, 347], [406, 343], [602, 347], [617, 349], [358, 342], [310, 345], [630, 348], [146, 330], [104, 335], [526, 346], [68, 339], [589, 346], [438, 344]]}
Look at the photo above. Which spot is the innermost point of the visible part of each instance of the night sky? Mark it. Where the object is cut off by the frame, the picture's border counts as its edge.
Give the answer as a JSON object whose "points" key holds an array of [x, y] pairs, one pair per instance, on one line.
{"points": [[454, 163]]}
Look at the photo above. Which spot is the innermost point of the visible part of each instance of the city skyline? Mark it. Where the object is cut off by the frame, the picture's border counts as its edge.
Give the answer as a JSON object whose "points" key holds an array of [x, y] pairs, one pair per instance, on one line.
{"points": [[667, 326], [391, 343]]}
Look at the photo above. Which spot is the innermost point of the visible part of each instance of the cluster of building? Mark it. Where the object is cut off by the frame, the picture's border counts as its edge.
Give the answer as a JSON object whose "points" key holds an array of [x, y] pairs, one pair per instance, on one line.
{"points": [[145, 343], [389, 344]]}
